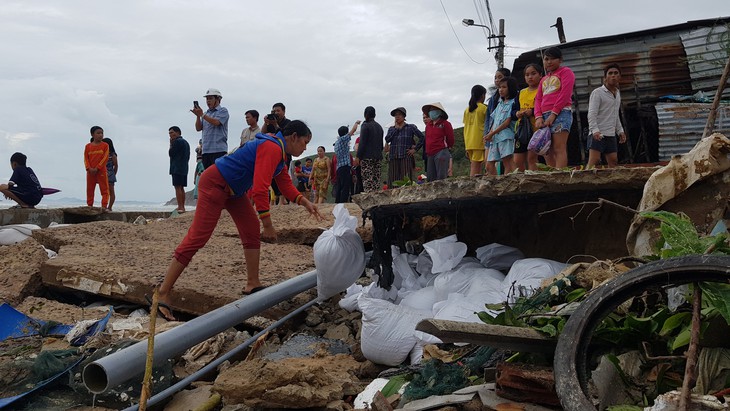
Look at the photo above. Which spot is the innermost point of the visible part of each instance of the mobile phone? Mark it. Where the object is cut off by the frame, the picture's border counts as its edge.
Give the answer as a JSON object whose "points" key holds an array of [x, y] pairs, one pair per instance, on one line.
{"points": [[195, 104]]}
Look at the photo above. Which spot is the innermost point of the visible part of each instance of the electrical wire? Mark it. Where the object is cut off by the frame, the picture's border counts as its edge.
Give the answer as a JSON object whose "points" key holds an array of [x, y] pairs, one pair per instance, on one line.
{"points": [[481, 17], [491, 19], [457, 36]]}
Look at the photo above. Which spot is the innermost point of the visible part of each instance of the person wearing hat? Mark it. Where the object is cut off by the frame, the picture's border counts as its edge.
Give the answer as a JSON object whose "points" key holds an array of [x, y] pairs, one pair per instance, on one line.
{"points": [[439, 140], [403, 145], [214, 125]]}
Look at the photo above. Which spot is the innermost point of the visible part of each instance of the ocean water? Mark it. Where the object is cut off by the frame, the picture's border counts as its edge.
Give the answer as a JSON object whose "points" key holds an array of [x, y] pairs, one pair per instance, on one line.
{"points": [[118, 206]]}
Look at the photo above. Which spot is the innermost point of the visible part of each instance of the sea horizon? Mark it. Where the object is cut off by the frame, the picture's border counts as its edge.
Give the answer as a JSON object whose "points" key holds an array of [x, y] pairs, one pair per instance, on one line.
{"points": [[121, 205]]}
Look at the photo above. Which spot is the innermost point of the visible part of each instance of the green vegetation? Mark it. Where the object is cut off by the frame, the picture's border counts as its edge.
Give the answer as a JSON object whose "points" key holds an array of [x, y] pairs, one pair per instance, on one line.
{"points": [[644, 321]]}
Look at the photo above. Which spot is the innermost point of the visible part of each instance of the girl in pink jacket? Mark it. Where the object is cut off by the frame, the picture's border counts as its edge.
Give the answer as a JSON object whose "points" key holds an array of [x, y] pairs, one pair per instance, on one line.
{"points": [[553, 105]]}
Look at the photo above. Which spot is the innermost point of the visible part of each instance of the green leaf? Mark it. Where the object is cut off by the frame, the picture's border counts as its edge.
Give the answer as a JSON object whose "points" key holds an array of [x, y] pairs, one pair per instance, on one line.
{"points": [[674, 322], [394, 385], [486, 318], [717, 296], [548, 329], [678, 232], [576, 294], [682, 339]]}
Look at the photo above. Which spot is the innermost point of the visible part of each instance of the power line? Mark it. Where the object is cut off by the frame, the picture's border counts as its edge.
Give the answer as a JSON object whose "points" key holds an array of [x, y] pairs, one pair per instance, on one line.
{"points": [[491, 19], [457, 36], [481, 16]]}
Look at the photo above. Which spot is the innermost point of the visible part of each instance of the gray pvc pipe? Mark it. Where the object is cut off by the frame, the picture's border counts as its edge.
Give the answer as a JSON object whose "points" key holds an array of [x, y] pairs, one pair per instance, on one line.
{"points": [[119, 367], [218, 361]]}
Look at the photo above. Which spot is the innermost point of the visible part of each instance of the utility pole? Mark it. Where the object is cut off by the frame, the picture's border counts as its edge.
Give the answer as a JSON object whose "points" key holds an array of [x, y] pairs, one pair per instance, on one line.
{"points": [[499, 56]]}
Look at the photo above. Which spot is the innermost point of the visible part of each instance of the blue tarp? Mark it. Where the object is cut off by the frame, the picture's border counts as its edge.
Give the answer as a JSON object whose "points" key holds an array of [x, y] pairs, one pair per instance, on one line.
{"points": [[14, 324]]}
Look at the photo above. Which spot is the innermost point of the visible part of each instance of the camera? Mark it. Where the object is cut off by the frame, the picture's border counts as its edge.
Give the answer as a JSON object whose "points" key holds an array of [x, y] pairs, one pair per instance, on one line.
{"points": [[271, 116]]}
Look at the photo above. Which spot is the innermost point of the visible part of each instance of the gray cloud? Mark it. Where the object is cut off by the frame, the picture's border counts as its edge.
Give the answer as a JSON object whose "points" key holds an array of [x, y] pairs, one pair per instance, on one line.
{"points": [[134, 68]]}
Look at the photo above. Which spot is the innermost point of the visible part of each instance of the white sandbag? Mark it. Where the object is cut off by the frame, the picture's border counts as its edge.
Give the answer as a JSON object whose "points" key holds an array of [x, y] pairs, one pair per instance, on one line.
{"points": [[421, 300], [445, 253], [461, 308], [498, 256], [487, 282], [527, 274], [339, 255], [15, 233], [460, 278], [349, 302], [387, 334], [373, 290], [405, 278]]}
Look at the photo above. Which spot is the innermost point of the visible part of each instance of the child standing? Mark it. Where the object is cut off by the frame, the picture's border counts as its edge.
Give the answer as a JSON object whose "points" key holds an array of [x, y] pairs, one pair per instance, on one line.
{"points": [[112, 166], [474, 117], [501, 133], [96, 155], [533, 74], [553, 105]]}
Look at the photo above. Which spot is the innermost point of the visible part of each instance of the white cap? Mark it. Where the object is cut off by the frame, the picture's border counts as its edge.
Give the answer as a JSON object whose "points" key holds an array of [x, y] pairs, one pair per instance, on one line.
{"points": [[213, 92]]}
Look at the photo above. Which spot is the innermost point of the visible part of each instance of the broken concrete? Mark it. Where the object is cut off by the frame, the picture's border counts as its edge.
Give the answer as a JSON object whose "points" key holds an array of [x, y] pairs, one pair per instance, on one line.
{"points": [[19, 270], [542, 214], [124, 261], [289, 383]]}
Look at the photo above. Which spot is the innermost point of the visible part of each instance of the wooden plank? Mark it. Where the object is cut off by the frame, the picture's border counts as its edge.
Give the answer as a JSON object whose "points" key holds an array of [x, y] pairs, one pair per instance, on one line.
{"points": [[497, 336]]}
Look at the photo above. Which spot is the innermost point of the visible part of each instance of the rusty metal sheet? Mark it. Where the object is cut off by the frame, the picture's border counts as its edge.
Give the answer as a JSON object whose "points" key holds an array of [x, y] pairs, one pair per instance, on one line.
{"points": [[707, 52], [680, 59], [681, 126]]}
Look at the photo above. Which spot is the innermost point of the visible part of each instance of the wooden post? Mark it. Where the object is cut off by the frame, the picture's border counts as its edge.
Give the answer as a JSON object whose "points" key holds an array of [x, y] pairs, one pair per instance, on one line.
{"points": [[693, 353], [710, 126], [146, 381]]}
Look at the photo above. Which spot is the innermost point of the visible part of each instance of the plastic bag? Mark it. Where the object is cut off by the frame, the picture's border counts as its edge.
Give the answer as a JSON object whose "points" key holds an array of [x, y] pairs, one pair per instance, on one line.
{"points": [[445, 253], [339, 255], [387, 334], [525, 276], [498, 256], [540, 141]]}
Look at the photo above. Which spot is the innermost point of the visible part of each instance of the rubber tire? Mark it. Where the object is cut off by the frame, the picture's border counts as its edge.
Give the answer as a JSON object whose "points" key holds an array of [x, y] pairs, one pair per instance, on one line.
{"points": [[571, 354]]}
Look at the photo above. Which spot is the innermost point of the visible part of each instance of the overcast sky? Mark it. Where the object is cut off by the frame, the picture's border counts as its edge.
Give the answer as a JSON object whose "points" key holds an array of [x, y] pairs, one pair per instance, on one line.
{"points": [[134, 68]]}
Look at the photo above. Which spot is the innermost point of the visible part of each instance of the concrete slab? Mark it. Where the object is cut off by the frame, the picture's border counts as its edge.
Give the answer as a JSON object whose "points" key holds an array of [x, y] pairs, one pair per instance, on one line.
{"points": [[124, 261], [543, 214], [20, 270]]}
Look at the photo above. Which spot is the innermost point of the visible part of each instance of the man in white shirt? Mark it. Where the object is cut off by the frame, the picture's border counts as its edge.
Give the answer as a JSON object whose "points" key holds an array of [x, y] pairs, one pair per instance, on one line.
{"points": [[604, 124]]}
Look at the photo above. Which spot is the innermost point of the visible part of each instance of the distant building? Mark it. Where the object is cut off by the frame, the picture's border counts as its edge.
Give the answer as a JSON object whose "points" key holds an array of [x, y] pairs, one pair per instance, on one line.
{"points": [[661, 70]]}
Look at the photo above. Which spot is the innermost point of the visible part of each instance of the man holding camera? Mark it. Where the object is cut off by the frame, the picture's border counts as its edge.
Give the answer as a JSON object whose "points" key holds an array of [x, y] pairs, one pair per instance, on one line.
{"points": [[214, 125], [277, 119]]}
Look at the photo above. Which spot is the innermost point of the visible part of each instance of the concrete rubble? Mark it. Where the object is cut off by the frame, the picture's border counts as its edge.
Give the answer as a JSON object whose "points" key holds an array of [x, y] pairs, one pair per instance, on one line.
{"points": [[121, 262]]}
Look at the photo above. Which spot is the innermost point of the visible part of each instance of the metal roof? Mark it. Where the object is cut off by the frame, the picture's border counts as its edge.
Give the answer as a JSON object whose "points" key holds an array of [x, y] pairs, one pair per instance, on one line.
{"points": [[681, 126], [674, 60]]}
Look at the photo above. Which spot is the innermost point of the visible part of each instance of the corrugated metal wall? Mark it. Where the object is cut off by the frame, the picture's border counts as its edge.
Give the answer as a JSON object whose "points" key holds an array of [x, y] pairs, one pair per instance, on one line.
{"points": [[707, 52], [681, 126]]}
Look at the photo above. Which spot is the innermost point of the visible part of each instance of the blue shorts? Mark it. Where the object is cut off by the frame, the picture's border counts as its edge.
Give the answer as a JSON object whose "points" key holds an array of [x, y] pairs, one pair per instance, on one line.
{"points": [[606, 145], [562, 122], [501, 150]]}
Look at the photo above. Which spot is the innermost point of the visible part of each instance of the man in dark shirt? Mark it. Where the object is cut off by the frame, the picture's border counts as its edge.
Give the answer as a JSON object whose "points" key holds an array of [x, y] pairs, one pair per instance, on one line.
{"points": [[23, 187], [179, 157]]}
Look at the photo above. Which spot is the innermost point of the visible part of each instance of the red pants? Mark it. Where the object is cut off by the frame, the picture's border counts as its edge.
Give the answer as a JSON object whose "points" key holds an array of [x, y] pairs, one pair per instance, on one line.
{"points": [[214, 196], [92, 180]]}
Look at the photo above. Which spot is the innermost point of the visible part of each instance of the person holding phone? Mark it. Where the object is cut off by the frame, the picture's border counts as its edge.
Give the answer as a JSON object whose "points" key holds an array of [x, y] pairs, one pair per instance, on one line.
{"points": [[214, 126]]}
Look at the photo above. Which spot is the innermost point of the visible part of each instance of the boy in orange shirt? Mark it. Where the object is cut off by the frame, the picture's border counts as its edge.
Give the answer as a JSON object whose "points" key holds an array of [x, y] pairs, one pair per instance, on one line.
{"points": [[96, 155]]}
